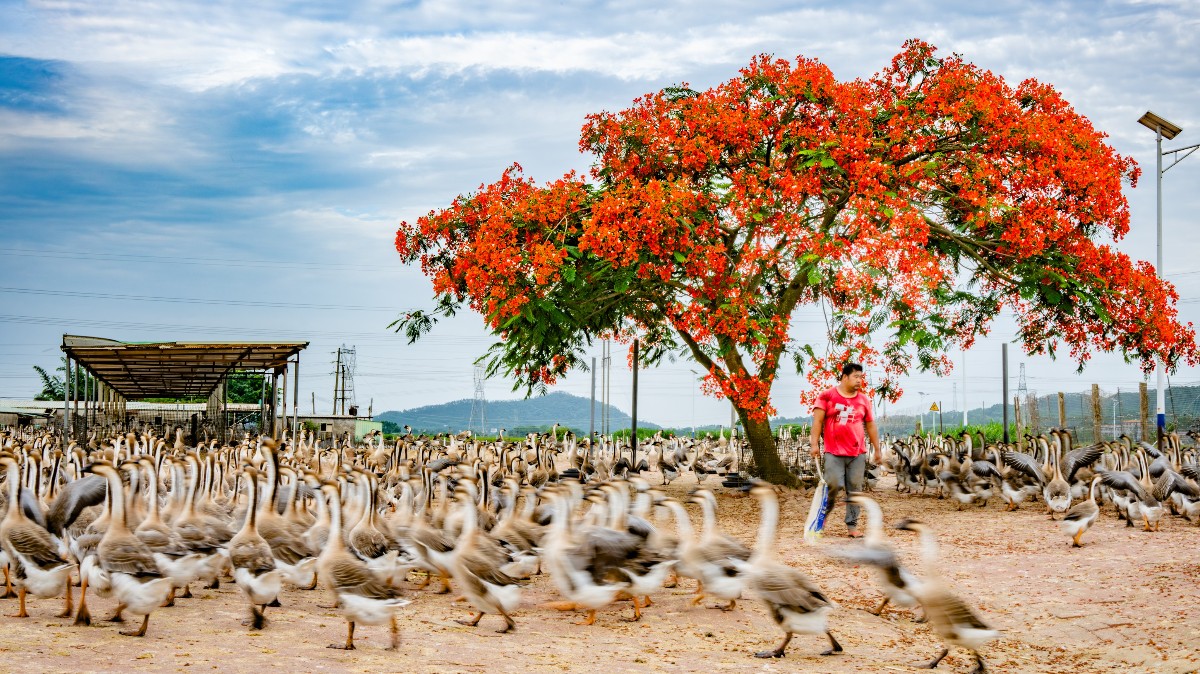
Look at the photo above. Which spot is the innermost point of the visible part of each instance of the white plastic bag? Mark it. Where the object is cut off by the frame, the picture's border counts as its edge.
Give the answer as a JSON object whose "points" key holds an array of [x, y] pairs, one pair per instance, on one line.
{"points": [[814, 524]]}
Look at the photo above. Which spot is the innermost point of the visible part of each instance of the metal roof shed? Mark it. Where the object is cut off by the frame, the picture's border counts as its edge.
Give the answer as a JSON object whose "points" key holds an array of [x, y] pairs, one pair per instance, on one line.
{"points": [[142, 370]]}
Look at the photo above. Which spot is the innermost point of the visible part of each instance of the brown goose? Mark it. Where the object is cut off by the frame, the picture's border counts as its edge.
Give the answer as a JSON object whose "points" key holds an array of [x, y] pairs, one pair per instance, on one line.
{"points": [[794, 602], [362, 596], [475, 565], [253, 566], [33, 553], [1081, 516], [951, 617], [136, 580]]}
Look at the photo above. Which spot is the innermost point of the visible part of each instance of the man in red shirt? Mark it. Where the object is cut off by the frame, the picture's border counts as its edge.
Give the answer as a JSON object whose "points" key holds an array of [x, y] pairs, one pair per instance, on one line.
{"points": [[840, 417]]}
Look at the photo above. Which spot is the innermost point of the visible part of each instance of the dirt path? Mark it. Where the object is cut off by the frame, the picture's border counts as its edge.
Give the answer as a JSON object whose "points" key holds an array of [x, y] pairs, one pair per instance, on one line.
{"points": [[1126, 602]]}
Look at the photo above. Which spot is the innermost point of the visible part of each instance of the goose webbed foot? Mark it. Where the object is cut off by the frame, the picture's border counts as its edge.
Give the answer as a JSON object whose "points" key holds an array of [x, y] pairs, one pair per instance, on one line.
{"points": [[591, 619], [141, 631], [83, 617], [116, 617], [778, 652], [394, 643], [834, 646], [257, 620], [934, 663], [187, 592], [275, 603], [170, 601], [313, 585], [69, 605], [882, 605], [729, 607], [21, 612], [980, 668], [349, 645], [215, 585], [509, 623], [637, 611]]}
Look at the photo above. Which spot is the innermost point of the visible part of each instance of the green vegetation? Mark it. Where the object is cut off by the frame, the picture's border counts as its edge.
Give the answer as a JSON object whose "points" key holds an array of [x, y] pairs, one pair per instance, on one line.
{"points": [[243, 387]]}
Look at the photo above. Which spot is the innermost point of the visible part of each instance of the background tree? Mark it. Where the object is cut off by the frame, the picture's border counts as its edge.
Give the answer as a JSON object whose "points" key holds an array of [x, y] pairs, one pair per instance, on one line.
{"points": [[54, 386], [913, 205], [244, 387]]}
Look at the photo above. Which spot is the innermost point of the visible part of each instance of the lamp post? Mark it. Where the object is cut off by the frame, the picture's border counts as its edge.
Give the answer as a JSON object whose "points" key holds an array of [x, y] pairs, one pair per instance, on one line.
{"points": [[1162, 129], [697, 376]]}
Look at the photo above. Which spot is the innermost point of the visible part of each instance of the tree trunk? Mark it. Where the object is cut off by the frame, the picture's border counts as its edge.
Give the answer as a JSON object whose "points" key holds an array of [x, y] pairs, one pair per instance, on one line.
{"points": [[767, 464]]}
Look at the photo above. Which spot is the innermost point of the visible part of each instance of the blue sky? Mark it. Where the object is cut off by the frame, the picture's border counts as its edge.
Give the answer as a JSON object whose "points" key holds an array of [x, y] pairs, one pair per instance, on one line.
{"points": [[215, 171]]}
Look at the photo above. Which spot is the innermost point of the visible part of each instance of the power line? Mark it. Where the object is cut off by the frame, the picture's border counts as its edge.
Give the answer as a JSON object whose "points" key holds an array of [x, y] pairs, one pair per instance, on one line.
{"points": [[306, 333], [203, 261], [195, 300]]}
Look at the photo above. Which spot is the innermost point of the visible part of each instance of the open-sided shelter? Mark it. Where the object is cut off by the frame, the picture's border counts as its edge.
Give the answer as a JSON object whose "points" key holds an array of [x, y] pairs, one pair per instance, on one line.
{"points": [[141, 371]]}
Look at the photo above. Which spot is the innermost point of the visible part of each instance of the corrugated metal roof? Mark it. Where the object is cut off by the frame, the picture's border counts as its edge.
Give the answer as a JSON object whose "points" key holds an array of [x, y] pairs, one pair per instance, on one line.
{"points": [[140, 370]]}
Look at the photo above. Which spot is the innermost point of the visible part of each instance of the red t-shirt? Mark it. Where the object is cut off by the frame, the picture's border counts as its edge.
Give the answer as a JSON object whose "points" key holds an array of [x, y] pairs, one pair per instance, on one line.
{"points": [[844, 432]]}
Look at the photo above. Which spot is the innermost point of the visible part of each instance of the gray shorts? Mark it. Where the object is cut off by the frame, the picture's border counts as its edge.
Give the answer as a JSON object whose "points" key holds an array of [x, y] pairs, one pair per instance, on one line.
{"points": [[844, 475]]}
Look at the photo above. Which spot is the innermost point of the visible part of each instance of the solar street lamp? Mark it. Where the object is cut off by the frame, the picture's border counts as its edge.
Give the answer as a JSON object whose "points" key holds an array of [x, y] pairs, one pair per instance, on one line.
{"points": [[1162, 129]]}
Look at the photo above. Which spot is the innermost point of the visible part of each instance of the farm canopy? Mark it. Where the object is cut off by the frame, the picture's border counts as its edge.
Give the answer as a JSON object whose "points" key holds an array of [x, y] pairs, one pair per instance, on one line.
{"points": [[140, 370]]}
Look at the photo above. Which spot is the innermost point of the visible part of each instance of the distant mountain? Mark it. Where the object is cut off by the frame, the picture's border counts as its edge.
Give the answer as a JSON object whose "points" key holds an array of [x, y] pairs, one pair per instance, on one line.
{"points": [[512, 415]]}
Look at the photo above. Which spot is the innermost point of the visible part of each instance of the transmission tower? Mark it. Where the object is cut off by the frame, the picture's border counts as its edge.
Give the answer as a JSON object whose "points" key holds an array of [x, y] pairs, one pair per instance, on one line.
{"points": [[478, 403], [343, 379], [1029, 400]]}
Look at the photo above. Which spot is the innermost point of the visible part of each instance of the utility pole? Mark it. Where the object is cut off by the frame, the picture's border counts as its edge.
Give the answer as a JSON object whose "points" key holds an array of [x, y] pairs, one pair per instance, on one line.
{"points": [[1004, 386], [592, 407], [337, 377], [964, 398], [956, 397], [633, 438]]}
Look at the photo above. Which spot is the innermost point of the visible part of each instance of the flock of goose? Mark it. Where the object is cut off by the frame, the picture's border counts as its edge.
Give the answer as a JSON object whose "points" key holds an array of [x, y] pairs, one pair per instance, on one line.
{"points": [[142, 519], [1141, 482]]}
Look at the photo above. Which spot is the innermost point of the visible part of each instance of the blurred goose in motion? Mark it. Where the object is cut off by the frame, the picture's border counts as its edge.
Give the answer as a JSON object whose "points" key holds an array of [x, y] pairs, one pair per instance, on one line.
{"points": [[584, 561], [36, 557], [895, 581], [950, 617], [795, 603], [137, 583]]}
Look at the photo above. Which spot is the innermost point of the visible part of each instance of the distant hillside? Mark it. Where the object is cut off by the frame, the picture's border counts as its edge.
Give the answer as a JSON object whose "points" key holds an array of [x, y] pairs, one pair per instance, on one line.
{"points": [[512, 415]]}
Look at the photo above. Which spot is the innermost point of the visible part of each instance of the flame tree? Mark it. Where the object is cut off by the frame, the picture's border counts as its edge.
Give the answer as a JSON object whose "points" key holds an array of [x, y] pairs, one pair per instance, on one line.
{"points": [[914, 205]]}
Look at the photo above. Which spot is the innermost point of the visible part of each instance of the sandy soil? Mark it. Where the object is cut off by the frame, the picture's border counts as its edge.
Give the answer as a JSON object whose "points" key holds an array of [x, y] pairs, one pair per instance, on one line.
{"points": [[1126, 602]]}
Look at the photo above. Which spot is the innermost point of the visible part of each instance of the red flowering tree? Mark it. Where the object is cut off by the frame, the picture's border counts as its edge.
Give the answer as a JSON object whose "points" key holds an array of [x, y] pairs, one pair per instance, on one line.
{"points": [[914, 205]]}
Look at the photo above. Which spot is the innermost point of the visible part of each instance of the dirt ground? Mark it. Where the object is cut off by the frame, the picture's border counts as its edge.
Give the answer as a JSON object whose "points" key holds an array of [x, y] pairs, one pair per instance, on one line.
{"points": [[1125, 602]]}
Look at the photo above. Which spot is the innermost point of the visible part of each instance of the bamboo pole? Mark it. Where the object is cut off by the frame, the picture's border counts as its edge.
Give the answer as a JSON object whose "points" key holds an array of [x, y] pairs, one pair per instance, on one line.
{"points": [[1144, 409], [1020, 423], [1096, 413], [1062, 410]]}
